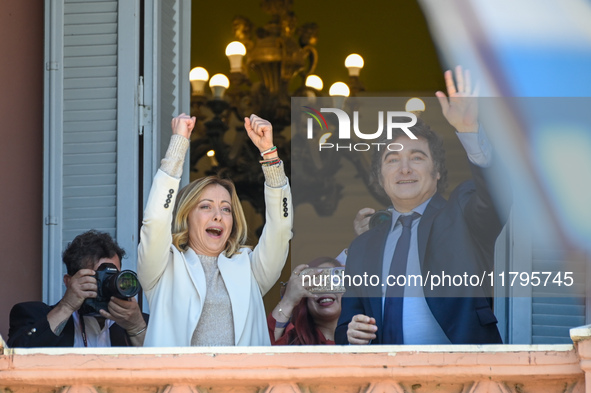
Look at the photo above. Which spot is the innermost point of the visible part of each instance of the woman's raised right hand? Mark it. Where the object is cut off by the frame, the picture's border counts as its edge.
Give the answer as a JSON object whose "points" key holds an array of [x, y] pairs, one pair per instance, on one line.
{"points": [[295, 291], [183, 125]]}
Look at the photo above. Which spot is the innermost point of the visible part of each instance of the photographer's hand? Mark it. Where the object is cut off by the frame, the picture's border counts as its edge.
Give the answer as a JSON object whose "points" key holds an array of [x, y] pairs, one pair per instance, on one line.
{"points": [[361, 221], [80, 286], [127, 314]]}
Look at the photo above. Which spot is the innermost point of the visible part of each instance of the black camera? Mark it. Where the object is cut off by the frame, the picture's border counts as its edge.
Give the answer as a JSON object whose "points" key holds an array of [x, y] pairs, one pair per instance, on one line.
{"points": [[380, 217], [110, 282]]}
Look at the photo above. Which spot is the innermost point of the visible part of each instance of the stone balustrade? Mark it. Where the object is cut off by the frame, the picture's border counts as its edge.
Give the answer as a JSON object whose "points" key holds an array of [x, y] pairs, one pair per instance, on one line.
{"points": [[347, 369]]}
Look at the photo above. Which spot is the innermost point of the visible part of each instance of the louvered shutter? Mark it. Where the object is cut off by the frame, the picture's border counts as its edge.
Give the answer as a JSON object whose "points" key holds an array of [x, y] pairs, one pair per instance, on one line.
{"points": [[547, 313], [90, 154], [166, 92], [553, 317]]}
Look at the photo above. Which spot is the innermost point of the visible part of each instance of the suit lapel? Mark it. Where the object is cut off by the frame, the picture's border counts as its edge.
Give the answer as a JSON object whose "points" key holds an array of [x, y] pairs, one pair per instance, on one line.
{"points": [[194, 265], [237, 275]]}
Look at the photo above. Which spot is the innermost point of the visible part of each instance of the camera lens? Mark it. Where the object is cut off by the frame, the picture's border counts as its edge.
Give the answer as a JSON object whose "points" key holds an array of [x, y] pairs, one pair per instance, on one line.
{"points": [[127, 284], [123, 285]]}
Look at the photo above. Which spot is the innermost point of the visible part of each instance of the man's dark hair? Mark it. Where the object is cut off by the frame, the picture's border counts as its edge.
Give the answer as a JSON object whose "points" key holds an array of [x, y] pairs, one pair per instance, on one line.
{"points": [[420, 130], [88, 248]]}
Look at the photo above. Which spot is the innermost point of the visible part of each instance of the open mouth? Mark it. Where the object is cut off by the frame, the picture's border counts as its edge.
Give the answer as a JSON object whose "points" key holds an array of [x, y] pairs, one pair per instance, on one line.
{"points": [[326, 301], [214, 231], [406, 182]]}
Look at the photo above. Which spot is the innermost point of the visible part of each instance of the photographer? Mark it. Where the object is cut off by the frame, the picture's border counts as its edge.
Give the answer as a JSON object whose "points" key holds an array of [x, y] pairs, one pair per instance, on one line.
{"points": [[35, 324]]}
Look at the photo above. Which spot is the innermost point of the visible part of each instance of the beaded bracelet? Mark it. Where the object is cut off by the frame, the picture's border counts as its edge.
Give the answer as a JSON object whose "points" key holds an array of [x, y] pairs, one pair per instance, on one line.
{"points": [[270, 162], [268, 151]]}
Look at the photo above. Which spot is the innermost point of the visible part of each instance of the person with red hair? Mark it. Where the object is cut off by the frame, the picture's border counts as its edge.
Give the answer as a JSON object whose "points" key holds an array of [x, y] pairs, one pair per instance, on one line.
{"points": [[302, 317]]}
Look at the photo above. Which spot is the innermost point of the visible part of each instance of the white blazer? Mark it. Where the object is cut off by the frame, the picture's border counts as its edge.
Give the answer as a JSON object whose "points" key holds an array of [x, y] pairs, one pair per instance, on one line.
{"points": [[174, 281]]}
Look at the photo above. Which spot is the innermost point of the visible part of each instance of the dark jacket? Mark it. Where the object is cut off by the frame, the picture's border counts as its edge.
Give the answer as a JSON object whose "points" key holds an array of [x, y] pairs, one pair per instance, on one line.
{"points": [[455, 237], [29, 328]]}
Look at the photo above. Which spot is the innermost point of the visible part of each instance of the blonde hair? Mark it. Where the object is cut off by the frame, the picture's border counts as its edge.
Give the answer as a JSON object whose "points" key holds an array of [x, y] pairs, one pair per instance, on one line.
{"points": [[187, 200]]}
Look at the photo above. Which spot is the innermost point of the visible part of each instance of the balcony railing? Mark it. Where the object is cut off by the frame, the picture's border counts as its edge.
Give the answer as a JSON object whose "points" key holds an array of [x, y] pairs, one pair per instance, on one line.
{"points": [[366, 369]]}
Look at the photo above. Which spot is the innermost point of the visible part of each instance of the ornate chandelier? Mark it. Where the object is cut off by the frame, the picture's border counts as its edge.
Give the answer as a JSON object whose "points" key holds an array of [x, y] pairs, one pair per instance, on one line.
{"points": [[268, 66]]}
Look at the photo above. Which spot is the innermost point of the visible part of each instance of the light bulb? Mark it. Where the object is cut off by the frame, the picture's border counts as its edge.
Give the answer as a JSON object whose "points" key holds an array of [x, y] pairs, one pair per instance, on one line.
{"points": [[212, 160], [339, 92], [415, 105], [219, 83], [354, 60], [354, 64], [235, 48], [314, 82], [339, 89], [235, 51], [324, 138], [198, 76]]}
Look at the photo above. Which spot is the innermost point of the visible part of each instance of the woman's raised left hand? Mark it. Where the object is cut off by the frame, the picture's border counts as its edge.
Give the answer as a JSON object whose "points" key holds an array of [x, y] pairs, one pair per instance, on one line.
{"points": [[260, 132]]}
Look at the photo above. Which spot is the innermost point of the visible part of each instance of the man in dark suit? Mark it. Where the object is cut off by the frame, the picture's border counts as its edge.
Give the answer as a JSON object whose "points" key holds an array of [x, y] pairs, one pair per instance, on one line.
{"points": [[427, 235], [35, 324]]}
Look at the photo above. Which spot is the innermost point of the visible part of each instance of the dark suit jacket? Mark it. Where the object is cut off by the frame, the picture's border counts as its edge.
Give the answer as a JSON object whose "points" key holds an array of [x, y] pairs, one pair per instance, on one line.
{"points": [[455, 237], [29, 328]]}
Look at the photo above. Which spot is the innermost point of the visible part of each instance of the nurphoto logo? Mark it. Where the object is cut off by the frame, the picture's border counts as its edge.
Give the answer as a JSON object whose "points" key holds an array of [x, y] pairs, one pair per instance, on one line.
{"points": [[392, 119]]}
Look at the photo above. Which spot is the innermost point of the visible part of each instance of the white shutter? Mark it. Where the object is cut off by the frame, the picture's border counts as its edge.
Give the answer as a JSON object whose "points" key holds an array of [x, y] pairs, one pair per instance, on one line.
{"points": [[166, 78], [90, 140], [554, 316], [542, 314]]}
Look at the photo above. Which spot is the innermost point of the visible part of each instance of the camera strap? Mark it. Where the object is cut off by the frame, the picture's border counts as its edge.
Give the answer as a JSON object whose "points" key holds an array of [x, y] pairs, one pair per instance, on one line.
{"points": [[83, 330]]}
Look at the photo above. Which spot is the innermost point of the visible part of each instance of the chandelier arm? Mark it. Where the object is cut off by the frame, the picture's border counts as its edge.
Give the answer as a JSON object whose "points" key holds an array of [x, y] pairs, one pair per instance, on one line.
{"points": [[277, 55], [312, 55]]}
